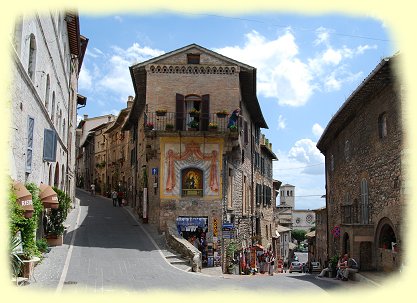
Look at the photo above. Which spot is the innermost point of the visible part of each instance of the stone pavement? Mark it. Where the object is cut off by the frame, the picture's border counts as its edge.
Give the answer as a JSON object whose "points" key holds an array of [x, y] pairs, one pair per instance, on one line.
{"points": [[48, 272]]}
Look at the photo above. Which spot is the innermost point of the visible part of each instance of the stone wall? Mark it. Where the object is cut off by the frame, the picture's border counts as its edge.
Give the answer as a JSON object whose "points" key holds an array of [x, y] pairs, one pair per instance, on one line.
{"points": [[359, 153]]}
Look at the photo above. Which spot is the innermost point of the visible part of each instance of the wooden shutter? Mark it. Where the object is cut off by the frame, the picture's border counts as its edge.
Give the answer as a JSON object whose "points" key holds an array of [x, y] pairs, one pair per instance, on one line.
{"points": [[49, 145], [31, 125], [179, 112], [205, 112]]}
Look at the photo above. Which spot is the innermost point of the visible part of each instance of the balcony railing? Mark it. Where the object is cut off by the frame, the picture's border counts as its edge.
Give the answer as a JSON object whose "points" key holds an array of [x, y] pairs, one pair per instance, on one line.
{"points": [[185, 121]]}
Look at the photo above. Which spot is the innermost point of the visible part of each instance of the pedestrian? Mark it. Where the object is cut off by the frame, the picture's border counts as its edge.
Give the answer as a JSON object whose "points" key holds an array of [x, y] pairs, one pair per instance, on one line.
{"points": [[114, 197], [271, 263], [93, 189], [120, 198]]}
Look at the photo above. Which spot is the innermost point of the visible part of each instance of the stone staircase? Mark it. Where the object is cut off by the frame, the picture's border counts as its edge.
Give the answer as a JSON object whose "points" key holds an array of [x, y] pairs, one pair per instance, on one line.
{"points": [[179, 262]]}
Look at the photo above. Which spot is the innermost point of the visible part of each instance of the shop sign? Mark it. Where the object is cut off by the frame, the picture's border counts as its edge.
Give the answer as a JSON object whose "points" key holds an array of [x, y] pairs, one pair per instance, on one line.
{"points": [[214, 228], [227, 226], [228, 234]]}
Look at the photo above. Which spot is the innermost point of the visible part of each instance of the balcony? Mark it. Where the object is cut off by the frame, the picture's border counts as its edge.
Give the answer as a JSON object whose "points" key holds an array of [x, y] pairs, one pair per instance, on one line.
{"points": [[174, 122]]}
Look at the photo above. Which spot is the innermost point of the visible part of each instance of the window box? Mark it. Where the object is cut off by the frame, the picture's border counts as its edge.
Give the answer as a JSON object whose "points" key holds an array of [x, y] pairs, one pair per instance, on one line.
{"points": [[161, 112]]}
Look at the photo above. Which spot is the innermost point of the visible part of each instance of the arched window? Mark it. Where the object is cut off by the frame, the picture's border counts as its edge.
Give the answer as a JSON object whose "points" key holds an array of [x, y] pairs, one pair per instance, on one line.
{"points": [[364, 202], [53, 107], [47, 91], [382, 125], [32, 57], [192, 182]]}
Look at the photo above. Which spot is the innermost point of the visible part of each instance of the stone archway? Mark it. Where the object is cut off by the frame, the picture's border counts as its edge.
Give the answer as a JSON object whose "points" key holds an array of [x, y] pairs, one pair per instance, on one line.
{"points": [[386, 244]]}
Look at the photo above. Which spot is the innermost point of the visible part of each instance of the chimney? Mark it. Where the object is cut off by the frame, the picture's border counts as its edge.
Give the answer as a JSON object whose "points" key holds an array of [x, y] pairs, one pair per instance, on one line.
{"points": [[129, 101], [85, 117]]}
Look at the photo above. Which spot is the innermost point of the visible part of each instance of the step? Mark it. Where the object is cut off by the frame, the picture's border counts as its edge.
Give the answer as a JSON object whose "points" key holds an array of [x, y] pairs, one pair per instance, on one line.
{"points": [[183, 267]]}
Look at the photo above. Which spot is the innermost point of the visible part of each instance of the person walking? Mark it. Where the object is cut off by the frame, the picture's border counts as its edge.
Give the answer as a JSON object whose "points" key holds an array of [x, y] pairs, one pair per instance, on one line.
{"points": [[271, 263], [114, 197], [93, 189], [120, 198]]}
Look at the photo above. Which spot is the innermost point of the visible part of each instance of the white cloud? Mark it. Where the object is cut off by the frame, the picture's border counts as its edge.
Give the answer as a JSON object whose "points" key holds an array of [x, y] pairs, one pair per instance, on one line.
{"points": [[281, 122], [115, 76], [317, 130], [280, 73], [305, 151], [308, 187], [85, 79], [118, 18]]}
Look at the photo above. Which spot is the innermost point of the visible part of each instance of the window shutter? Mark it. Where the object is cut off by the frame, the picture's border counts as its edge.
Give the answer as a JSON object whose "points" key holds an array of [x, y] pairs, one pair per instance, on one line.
{"points": [[29, 149], [205, 112], [49, 145], [179, 112]]}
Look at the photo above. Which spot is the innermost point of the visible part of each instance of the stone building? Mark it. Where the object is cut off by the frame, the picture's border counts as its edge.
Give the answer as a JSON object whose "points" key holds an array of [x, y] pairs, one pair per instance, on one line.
{"points": [[320, 250], [47, 54], [303, 219], [364, 150], [118, 171], [83, 167], [194, 151], [283, 211]]}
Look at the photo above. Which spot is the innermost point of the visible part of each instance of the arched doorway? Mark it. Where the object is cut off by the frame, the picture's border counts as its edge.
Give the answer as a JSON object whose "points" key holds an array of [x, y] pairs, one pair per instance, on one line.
{"points": [[387, 244], [56, 177]]}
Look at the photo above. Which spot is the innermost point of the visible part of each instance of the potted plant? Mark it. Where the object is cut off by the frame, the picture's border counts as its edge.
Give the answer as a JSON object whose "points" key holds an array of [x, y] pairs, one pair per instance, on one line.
{"points": [[233, 128], [222, 113], [194, 113], [169, 126], [15, 260], [230, 253], [149, 126], [161, 112], [55, 225], [213, 126], [193, 125]]}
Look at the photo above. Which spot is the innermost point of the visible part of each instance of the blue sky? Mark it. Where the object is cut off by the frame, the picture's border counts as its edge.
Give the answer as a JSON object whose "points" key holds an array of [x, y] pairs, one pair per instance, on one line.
{"points": [[307, 66]]}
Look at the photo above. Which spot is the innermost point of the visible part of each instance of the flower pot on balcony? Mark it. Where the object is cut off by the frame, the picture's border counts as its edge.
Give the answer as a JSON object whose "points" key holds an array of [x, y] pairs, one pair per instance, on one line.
{"points": [[221, 115], [160, 113]]}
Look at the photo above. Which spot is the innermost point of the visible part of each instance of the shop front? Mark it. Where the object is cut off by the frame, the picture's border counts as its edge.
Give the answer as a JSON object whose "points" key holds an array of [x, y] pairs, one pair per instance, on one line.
{"points": [[194, 230]]}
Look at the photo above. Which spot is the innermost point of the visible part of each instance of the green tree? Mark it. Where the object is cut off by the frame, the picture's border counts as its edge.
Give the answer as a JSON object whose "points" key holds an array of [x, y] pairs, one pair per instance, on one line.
{"points": [[298, 234]]}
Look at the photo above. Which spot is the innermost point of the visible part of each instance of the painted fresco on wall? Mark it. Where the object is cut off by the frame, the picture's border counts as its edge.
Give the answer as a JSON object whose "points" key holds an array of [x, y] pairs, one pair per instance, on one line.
{"points": [[191, 169]]}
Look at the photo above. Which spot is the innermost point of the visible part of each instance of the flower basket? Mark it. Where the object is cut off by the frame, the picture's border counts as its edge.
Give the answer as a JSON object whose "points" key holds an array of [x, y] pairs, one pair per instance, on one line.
{"points": [[194, 113], [212, 126], [193, 125], [222, 114], [169, 127], [161, 112]]}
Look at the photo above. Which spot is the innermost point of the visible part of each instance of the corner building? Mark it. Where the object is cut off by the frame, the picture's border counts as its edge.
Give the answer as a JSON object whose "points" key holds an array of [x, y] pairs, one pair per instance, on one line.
{"points": [[191, 169]]}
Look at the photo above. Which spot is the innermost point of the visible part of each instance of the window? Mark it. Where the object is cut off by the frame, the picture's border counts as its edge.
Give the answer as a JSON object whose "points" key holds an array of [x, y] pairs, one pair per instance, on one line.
{"points": [[193, 58], [31, 125], [47, 89], [382, 125], [49, 145], [364, 202], [53, 107], [32, 57], [347, 150], [229, 189], [245, 197], [246, 133]]}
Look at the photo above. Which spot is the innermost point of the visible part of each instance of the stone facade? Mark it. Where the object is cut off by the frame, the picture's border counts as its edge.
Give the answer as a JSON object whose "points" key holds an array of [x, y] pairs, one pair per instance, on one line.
{"points": [[218, 162], [44, 98], [363, 146], [303, 219], [321, 237]]}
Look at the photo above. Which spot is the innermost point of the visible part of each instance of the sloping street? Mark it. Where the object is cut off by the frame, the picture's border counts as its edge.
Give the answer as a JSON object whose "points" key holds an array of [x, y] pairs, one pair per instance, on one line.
{"points": [[107, 249]]}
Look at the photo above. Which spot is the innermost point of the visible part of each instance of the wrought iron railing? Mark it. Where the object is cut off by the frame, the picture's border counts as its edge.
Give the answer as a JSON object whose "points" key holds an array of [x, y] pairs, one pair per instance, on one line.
{"points": [[185, 121]]}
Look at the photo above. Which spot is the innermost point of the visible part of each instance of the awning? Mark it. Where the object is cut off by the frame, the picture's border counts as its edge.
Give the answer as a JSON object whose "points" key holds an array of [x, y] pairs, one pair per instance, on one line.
{"points": [[48, 196], [311, 234], [291, 246], [24, 198], [277, 235]]}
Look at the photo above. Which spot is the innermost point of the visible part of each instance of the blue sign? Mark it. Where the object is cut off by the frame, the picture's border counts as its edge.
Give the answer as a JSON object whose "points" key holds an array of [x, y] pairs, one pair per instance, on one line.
{"points": [[227, 226], [154, 171]]}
